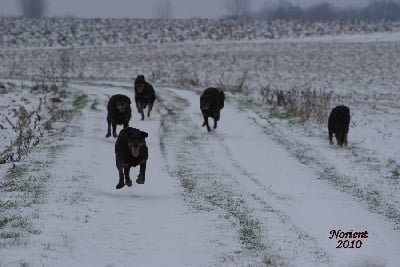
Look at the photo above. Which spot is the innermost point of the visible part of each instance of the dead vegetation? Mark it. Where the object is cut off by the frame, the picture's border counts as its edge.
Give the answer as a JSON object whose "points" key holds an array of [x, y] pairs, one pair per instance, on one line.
{"points": [[306, 102], [29, 121], [232, 84]]}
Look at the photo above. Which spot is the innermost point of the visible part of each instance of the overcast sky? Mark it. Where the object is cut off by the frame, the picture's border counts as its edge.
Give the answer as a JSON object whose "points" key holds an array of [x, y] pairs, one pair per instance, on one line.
{"points": [[144, 8]]}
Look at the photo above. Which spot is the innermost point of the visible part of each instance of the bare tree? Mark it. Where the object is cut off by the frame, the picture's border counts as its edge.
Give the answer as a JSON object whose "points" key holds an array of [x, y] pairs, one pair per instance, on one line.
{"points": [[163, 10], [32, 8], [238, 8]]}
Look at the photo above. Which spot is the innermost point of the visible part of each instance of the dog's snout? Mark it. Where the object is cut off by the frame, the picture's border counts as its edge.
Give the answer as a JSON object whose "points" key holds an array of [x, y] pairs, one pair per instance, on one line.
{"points": [[205, 106], [121, 107]]}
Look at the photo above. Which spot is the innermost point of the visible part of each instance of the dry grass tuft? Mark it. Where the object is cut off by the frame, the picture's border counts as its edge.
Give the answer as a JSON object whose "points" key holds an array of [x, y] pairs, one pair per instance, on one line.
{"points": [[306, 103]]}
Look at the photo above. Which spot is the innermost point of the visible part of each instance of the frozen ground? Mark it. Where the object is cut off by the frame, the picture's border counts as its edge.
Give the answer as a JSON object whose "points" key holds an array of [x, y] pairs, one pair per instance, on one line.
{"points": [[233, 197], [261, 190]]}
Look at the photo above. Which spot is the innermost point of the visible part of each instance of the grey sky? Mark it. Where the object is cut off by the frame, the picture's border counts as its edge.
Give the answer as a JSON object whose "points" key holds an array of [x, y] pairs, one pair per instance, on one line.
{"points": [[144, 8]]}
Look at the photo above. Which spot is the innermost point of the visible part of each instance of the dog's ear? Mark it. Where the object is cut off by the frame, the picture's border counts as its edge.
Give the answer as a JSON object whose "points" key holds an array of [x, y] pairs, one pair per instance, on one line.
{"points": [[144, 134], [123, 132]]}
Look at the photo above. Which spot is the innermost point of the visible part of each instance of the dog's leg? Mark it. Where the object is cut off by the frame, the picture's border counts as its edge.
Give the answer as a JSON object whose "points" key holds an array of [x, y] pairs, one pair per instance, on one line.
{"points": [[216, 119], [141, 111], [141, 177], [150, 108], [206, 123], [126, 124], [345, 137], [121, 177], [128, 180], [330, 136], [114, 129], [339, 138], [108, 134], [138, 106]]}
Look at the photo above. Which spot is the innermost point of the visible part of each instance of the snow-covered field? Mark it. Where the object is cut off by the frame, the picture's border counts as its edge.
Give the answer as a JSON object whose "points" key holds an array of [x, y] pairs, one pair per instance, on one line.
{"points": [[261, 190]]}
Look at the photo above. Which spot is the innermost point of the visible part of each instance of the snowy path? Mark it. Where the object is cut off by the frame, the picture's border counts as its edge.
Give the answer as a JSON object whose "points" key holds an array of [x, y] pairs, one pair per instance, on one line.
{"points": [[293, 208], [144, 226], [233, 197]]}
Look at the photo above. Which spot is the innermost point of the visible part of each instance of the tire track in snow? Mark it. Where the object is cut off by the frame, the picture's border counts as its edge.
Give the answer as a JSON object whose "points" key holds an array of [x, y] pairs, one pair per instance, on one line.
{"points": [[369, 195], [295, 209], [194, 157], [86, 222], [197, 177]]}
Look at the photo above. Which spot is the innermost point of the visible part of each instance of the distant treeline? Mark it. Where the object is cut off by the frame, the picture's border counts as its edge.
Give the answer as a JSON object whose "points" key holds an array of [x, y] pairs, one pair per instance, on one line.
{"points": [[388, 10]]}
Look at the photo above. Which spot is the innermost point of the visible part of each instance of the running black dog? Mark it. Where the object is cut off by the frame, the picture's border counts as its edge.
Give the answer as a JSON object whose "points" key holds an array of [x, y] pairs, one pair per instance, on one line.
{"points": [[338, 124], [130, 151], [118, 112], [144, 95], [211, 103]]}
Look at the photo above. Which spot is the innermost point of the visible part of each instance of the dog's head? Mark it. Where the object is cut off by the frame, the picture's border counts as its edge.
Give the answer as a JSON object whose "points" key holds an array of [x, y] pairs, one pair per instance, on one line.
{"points": [[119, 102], [204, 105], [122, 105], [206, 102], [139, 83], [136, 141]]}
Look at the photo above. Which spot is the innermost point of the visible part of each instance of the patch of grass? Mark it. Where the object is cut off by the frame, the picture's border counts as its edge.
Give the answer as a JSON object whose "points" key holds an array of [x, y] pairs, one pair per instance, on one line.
{"points": [[10, 235], [246, 104], [80, 101], [48, 125], [272, 261], [4, 222], [7, 205], [248, 234], [236, 208], [24, 184], [281, 114], [16, 171], [188, 184], [396, 172], [25, 191], [395, 169], [19, 222], [305, 103]]}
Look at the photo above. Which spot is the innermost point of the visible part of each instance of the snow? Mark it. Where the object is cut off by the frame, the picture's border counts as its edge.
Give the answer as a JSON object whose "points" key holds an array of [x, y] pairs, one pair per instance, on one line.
{"points": [[275, 170], [85, 221], [257, 191], [350, 38], [72, 32]]}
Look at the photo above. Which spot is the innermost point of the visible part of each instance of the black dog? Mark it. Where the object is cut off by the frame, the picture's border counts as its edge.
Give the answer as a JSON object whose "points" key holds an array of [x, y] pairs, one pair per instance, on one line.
{"points": [[144, 95], [130, 151], [211, 103], [338, 124], [118, 112]]}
